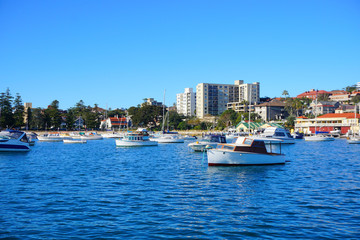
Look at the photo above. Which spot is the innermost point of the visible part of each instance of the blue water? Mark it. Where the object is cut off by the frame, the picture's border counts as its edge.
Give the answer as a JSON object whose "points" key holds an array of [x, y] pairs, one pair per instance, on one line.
{"points": [[98, 191]]}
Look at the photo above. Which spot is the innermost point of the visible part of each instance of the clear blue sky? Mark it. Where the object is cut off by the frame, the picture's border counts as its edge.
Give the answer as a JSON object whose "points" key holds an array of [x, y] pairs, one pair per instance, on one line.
{"points": [[115, 53]]}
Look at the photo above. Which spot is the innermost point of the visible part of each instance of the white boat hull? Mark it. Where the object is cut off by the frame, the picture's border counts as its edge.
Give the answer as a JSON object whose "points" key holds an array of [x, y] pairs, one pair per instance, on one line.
{"points": [[97, 137], [126, 143], [319, 139], [50, 139], [228, 158], [74, 141], [168, 140]]}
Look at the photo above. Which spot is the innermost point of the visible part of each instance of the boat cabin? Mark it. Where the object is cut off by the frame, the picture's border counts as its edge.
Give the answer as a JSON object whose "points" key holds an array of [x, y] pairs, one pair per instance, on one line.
{"points": [[245, 144]]}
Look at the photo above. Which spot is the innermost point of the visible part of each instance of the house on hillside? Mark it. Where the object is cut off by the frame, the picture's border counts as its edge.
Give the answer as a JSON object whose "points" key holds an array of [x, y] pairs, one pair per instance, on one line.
{"points": [[323, 107], [273, 110]]}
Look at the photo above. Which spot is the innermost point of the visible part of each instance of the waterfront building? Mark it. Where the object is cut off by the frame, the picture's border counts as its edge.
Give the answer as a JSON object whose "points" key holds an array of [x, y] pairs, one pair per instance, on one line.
{"points": [[113, 123], [214, 99], [186, 102], [273, 110], [329, 122]]}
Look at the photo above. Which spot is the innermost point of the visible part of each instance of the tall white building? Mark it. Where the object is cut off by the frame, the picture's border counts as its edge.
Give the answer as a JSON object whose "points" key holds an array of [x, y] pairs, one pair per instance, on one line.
{"points": [[185, 102], [214, 99]]}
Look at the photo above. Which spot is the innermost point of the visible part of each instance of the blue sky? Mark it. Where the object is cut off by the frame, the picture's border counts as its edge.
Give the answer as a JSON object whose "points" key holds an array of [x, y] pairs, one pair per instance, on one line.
{"points": [[115, 53]]}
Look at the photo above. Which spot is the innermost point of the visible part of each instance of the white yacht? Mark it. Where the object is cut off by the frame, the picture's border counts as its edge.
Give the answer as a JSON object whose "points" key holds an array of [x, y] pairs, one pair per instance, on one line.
{"points": [[91, 136], [278, 133], [14, 141], [135, 139], [320, 137], [246, 151], [52, 137], [168, 137]]}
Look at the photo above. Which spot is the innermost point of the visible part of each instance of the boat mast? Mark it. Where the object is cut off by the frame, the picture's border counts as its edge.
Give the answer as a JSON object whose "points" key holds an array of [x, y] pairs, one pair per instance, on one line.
{"points": [[250, 109], [163, 124]]}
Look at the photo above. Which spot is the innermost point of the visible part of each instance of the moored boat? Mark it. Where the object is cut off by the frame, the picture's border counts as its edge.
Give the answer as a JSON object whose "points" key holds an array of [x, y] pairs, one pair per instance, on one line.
{"points": [[14, 141], [278, 133], [209, 141], [135, 139], [245, 151], [52, 137], [319, 138]]}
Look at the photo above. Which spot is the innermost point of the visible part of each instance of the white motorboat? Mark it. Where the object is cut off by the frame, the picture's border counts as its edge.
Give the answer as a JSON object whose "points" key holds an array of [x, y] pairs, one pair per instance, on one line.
{"points": [[52, 137], [319, 138], [279, 134], [74, 141], [353, 140], [91, 136], [209, 141], [14, 141], [113, 135], [168, 137], [136, 139], [245, 151]]}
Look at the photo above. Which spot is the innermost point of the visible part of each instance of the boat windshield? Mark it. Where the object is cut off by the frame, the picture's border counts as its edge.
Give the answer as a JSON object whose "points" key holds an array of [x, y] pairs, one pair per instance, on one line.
{"points": [[11, 135]]}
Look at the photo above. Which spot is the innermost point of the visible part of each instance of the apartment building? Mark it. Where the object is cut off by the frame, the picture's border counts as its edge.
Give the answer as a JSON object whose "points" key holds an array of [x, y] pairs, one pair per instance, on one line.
{"points": [[214, 99], [248, 93], [186, 102]]}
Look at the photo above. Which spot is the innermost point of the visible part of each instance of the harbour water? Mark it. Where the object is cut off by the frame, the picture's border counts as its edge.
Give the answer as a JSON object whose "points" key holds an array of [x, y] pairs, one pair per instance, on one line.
{"points": [[98, 191]]}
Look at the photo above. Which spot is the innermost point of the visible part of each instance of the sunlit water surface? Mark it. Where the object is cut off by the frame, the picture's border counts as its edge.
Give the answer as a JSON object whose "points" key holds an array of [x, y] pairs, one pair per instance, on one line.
{"points": [[95, 190]]}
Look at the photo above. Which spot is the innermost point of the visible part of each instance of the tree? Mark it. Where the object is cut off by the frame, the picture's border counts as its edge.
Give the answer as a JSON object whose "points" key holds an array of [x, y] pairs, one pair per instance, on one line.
{"points": [[6, 114], [19, 111], [350, 89], [356, 99], [53, 114], [38, 119], [285, 93], [323, 97], [70, 119], [29, 117]]}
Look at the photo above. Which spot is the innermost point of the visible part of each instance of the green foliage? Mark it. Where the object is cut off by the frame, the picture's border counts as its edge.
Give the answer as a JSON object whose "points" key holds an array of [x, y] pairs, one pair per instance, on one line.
{"points": [[53, 115], [70, 119], [356, 99], [6, 114], [116, 112], [290, 122], [145, 116], [183, 126], [38, 119], [19, 111], [350, 88], [323, 97]]}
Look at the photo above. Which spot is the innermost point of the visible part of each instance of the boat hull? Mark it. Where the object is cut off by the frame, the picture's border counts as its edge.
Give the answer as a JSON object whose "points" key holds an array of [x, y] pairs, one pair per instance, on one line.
{"points": [[74, 141], [319, 139], [227, 158], [50, 139], [14, 147], [125, 143]]}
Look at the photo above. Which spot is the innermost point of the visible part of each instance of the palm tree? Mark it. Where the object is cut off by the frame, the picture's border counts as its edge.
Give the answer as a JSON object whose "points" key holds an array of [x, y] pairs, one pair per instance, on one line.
{"points": [[285, 93]]}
